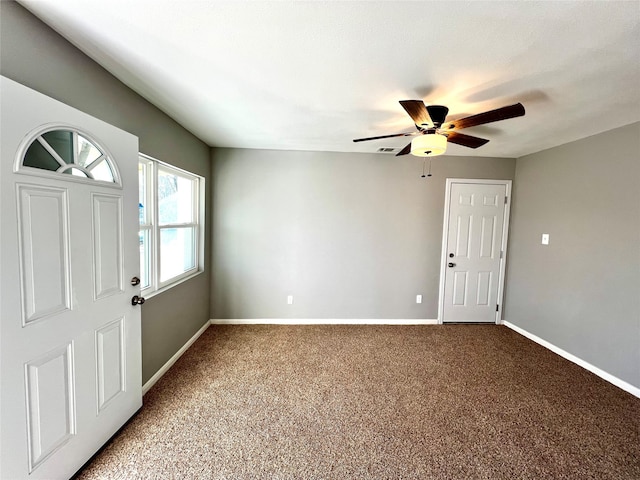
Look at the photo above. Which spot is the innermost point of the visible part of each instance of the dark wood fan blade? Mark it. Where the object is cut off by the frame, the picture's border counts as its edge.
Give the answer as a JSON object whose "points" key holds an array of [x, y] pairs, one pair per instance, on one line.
{"points": [[385, 136], [516, 110], [417, 111], [465, 140], [404, 151]]}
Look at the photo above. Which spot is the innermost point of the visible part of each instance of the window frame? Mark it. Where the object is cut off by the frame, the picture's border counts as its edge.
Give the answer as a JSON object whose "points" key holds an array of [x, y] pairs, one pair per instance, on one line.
{"points": [[153, 227]]}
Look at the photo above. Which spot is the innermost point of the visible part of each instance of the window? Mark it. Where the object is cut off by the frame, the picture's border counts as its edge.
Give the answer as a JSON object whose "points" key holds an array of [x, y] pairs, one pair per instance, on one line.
{"points": [[70, 152], [170, 224]]}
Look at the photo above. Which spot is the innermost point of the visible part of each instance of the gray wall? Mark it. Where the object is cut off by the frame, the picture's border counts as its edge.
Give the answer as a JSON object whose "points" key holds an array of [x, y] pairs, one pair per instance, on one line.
{"points": [[348, 235], [582, 291], [33, 54]]}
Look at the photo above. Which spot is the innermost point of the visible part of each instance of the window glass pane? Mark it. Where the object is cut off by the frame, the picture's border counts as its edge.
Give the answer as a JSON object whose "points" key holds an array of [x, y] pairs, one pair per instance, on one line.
{"points": [[38, 157], [175, 198], [62, 142], [87, 152], [75, 171], [102, 171], [177, 252], [145, 259]]}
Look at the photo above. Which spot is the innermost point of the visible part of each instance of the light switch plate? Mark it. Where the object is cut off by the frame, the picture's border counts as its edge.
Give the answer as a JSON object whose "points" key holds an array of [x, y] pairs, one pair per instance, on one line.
{"points": [[418, 298], [545, 239], [289, 299]]}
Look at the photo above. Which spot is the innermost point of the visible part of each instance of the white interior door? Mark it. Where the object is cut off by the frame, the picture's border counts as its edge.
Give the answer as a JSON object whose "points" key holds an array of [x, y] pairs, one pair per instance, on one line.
{"points": [[69, 334], [473, 250]]}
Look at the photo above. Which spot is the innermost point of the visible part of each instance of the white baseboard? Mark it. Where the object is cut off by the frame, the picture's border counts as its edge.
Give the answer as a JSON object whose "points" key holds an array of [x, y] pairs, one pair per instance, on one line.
{"points": [[152, 381], [322, 321], [627, 387]]}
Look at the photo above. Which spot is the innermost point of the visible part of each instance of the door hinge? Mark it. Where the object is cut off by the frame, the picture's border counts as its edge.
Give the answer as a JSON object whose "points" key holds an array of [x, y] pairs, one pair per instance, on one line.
{"points": [[506, 200], [497, 308], [501, 253]]}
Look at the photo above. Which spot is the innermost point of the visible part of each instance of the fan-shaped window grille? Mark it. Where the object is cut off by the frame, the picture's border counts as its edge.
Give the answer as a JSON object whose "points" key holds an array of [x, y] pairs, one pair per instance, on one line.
{"points": [[70, 152]]}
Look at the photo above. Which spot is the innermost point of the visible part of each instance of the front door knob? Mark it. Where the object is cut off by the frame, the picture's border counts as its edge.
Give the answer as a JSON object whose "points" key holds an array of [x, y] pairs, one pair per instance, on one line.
{"points": [[451, 265], [136, 300], [135, 281]]}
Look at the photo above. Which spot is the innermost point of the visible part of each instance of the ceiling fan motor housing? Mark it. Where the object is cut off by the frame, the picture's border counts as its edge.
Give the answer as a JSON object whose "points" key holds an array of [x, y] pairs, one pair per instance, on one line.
{"points": [[438, 114]]}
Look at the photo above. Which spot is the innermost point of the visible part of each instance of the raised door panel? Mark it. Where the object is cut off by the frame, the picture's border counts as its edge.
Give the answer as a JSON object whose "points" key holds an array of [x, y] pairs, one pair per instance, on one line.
{"points": [[107, 245], [484, 291], [460, 288], [44, 251], [463, 235], [110, 362], [488, 236], [50, 403], [490, 200]]}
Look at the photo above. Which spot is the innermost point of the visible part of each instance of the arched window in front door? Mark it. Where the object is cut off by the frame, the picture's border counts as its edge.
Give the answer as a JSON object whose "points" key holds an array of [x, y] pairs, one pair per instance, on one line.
{"points": [[69, 152]]}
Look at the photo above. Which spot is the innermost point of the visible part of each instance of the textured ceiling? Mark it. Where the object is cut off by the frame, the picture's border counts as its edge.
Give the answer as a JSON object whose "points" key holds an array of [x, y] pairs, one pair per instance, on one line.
{"points": [[314, 75]]}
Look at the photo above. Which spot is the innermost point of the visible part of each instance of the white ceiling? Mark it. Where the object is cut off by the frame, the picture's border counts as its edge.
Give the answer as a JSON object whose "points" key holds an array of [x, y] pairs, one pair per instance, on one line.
{"points": [[314, 75]]}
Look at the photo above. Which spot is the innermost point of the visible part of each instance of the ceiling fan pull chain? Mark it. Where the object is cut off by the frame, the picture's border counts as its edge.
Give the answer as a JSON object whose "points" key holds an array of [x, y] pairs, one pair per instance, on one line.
{"points": [[429, 167], [423, 164]]}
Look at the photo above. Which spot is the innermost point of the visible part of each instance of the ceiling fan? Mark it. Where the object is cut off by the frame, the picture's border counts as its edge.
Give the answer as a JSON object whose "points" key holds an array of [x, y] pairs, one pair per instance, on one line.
{"points": [[434, 132]]}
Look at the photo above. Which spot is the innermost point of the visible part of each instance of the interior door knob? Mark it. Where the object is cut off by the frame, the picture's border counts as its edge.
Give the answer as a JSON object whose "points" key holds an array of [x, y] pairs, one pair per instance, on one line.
{"points": [[136, 300], [451, 265], [135, 281]]}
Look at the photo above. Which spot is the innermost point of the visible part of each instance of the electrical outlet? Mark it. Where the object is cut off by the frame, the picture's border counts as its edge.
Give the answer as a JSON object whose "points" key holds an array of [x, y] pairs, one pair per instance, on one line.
{"points": [[545, 239]]}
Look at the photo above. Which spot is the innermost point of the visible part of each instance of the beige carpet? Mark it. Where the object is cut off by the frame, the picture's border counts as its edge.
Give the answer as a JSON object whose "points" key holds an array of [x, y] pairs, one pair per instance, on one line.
{"points": [[378, 402]]}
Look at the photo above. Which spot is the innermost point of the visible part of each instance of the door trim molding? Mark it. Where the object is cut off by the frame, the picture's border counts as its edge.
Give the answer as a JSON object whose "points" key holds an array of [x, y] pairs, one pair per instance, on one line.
{"points": [[503, 247]]}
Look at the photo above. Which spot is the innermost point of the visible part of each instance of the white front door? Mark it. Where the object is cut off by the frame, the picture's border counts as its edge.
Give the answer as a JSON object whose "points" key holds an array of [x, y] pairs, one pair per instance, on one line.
{"points": [[69, 335], [473, 250]]}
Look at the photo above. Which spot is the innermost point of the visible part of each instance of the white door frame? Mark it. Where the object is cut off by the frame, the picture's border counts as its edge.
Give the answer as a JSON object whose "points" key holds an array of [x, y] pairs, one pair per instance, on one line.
{"points": [[445, 239]]}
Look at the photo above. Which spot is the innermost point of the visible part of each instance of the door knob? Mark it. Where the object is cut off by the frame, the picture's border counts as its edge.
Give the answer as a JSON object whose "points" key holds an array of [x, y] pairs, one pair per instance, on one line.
{"points": [[135, 281], [136, 300], [451, 265]]}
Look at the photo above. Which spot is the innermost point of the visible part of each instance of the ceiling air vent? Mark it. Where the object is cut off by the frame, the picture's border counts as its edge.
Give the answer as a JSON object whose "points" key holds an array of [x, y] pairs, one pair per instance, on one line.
{"points": [[386, 150]]}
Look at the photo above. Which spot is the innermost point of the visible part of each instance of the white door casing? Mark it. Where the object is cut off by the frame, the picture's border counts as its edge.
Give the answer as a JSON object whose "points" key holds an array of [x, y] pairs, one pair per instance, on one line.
{"points": [[70, 353], [474, 250]]}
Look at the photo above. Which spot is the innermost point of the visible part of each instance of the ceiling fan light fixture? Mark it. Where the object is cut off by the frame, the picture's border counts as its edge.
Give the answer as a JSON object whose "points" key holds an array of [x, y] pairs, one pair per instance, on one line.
{"points": [[429, 145]]}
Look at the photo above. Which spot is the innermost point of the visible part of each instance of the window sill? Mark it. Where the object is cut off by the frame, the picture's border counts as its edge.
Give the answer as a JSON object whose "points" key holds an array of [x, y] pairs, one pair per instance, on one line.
{"points": [[153, 293]]}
